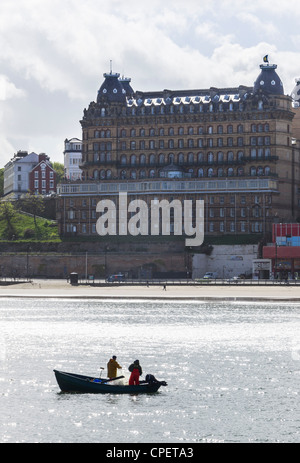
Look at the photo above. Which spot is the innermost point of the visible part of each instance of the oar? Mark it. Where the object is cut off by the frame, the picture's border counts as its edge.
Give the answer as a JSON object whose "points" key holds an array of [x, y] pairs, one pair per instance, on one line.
{"points": [[113, 379], [101, 368]]}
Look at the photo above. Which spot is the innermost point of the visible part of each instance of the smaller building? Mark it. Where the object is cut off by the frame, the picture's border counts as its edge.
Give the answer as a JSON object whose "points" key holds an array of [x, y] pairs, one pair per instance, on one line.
{"points": [[73, 159], [284, 251], [42, 178], [28, 172]]}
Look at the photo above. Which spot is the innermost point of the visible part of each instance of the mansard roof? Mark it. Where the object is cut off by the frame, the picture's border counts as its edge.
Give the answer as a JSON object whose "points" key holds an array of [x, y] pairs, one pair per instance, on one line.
{"points": [[119, 90], [268, 80]]}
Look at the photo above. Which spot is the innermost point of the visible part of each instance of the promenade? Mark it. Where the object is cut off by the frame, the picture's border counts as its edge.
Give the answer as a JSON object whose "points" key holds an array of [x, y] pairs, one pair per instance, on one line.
{"points": [[40, 288]]}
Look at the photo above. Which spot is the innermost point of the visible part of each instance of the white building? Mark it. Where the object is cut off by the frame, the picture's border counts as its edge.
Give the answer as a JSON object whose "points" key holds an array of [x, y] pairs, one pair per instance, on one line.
{"points": [[16, 174], [73, 158]]}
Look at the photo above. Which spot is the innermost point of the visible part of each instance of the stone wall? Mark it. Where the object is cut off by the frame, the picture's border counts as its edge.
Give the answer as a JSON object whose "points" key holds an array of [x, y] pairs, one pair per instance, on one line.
{"points": [[133, 265]]}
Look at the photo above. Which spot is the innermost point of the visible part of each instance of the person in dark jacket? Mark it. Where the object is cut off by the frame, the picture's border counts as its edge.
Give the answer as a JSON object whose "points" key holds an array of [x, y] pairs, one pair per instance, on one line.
{"points": [[136, 371], [112, 367]]}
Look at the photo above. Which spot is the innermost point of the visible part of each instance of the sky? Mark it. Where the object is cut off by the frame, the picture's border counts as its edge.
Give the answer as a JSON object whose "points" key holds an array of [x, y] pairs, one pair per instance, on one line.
{"points": [[53, 54]]}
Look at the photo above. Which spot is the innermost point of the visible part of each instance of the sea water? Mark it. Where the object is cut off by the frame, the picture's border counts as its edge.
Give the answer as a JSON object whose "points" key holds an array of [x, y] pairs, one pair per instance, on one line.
{"points": [[233, 371]]}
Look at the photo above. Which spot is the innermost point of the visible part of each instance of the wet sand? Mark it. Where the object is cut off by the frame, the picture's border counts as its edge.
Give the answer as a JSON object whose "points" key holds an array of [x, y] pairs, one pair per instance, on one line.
{"points": [[62, 289]]}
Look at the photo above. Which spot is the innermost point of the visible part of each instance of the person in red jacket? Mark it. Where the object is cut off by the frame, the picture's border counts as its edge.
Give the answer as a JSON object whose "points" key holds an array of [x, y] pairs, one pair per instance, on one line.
{"points": [[136, 371]]}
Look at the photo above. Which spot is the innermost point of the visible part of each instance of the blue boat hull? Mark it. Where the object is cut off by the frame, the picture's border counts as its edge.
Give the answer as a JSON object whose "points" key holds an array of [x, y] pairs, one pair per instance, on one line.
{"points": [[70, 382]]}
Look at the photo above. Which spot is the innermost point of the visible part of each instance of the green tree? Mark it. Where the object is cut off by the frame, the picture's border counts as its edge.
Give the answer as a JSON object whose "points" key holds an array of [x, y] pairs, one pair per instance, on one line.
{"points": [[7, 214], [60, 171], [33, 204]]}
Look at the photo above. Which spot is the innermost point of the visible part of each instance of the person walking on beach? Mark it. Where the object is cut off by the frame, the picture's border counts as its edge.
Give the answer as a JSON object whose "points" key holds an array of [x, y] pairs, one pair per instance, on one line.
{"points": [[112, 367], [136, 371]]}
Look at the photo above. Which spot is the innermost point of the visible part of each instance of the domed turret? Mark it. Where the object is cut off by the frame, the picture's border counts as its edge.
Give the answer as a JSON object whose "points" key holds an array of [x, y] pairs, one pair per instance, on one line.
{"points": [[125, 81], [112, 90], [296, 92], [268, 80]]}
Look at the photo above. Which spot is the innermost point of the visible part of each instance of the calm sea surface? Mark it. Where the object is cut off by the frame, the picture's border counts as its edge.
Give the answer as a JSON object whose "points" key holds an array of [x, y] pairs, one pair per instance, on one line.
{"points": [[233, 371]]}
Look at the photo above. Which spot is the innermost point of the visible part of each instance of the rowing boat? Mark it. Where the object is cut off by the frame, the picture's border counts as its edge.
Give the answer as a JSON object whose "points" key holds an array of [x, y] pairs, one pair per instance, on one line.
{"points": [[71, 382]]}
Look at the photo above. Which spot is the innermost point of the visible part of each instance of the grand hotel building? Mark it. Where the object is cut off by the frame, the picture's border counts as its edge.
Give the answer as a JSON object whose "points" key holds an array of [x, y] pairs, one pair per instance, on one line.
{"points": [[236, 148]]}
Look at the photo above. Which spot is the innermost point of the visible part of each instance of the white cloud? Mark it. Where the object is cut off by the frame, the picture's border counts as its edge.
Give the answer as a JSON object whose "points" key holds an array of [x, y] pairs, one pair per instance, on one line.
{"points": [[55, 54], [8, 89]]}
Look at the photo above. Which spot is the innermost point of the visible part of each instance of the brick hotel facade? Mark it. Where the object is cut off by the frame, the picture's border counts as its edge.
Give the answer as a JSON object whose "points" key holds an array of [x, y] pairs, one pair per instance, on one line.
{"points": [[235, 148]]}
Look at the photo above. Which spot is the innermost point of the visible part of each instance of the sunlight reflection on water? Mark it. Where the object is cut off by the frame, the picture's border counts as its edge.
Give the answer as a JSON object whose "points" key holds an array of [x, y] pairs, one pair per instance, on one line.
{"points": [[232, 371]]}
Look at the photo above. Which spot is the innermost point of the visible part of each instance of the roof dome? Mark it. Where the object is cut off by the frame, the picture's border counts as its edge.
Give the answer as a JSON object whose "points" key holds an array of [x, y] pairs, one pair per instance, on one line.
{"points": [[268, 80], [125, 81], [296, 92], [112, 90]]}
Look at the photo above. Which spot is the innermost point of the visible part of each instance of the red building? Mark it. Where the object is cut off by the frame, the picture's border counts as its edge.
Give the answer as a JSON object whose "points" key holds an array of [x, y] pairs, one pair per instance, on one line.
{"points": [[42, 178], [284, 250]]}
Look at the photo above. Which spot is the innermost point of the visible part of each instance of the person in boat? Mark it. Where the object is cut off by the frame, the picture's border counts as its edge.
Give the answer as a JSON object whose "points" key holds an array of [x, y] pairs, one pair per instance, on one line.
{"points": [[112, 367], [136, 371]]}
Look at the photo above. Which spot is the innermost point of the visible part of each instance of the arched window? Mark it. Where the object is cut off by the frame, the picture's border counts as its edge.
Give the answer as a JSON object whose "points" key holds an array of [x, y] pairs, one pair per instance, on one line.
{"points": [[180, 158], [102, 174], [230, 172], [96, 174], [133, 174], [171, 158], [142, 174], [152, 159], [200, 173], [210, 172], [200, 158], [108, 173], [240, 156], [253, 171], [220, 157], [123, 174], [267, 170], [230, 156], [240, 171], [133, 160], [142, 159], [152, 173], [161, 159], [190, 158], [123, 159], [260, 170], [210, 158], [220, 172]]}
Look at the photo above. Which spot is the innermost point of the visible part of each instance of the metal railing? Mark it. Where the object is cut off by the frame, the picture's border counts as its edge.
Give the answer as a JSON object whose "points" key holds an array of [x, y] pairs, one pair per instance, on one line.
{"points": [[187, 282]]}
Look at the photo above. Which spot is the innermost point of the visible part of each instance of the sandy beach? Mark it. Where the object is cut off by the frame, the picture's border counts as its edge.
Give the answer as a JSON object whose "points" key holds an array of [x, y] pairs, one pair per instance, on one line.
{"points": [[62, 289]]}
